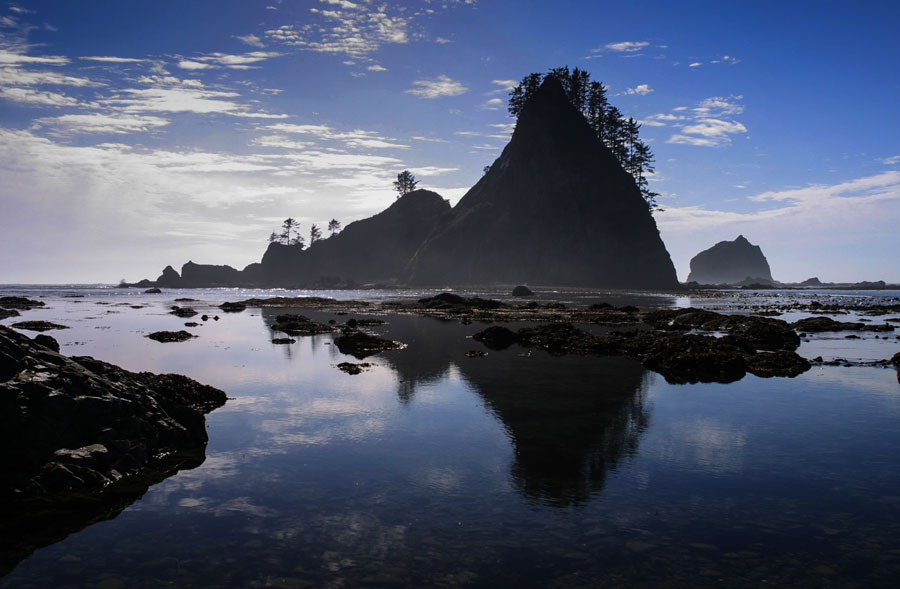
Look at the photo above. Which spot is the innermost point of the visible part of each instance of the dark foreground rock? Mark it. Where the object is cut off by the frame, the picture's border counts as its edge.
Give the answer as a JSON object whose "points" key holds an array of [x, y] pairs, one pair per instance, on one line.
{"points": [[20, 303], [7, 313], [38, 325], [166, 337], [362, 345], [79, 424]]}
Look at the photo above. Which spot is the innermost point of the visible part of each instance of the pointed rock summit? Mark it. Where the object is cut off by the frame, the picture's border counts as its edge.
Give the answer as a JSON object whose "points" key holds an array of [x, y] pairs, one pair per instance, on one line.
{"points": [[555, 208], [731, 262]]}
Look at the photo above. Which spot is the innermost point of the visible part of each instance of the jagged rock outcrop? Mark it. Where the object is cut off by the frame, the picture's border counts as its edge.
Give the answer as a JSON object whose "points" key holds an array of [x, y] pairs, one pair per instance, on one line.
{"points": [[79, 424], [169, 278], [555, 208], [194, 275], [731, 262], [371, 250]]}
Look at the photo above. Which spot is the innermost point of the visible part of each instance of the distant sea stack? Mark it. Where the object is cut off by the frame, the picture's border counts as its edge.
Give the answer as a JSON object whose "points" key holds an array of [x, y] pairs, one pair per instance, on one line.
{"points": [[556, 208], [730, 262]]}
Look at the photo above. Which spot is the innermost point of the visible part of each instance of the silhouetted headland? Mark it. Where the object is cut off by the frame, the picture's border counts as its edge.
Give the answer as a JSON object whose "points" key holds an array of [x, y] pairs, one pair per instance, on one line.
{"points": [[555, 208]]}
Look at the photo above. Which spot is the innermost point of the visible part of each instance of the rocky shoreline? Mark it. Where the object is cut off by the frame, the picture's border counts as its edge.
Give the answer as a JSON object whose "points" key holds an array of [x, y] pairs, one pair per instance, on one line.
{"points": [[77, 424]]}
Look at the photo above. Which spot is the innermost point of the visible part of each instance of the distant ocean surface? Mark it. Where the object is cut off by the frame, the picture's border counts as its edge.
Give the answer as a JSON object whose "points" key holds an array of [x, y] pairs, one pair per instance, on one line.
{"points": [[436, 467]]}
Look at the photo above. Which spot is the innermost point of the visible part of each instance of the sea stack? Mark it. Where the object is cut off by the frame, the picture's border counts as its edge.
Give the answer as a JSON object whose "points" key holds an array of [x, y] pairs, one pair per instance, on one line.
{"points": [[556, 208], [731, 262]]}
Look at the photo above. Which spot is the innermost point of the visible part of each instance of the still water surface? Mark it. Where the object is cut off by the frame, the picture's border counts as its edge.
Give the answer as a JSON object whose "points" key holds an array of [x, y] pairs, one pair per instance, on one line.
{"points": [[513, 469]]}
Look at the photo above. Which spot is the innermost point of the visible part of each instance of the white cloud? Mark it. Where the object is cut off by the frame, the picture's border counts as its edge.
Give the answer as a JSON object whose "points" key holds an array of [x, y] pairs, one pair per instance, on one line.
{"points": [[494, 104], [101, 123], [442, 41], [187, 64], [627, 46], [505, 127], [29, 96], [377, 68], [714, 128], [357, 138], [232, 61], [8, 57], [695, 64], [504, 85], [890, 161], [437, 88], [720, 106], [112, 59], [14, 76], [251, 40], [640, 89], [698, 141]]}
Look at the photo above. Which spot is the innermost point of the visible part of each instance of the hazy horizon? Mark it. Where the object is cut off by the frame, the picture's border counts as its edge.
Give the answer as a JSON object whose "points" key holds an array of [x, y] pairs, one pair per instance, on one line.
{"points": [[135, 136]]}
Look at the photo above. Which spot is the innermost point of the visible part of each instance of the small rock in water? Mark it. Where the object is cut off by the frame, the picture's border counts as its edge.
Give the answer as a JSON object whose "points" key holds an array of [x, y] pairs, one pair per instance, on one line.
{"points": [[38, 325], [351, 368], [170, 336], [522, 291]]}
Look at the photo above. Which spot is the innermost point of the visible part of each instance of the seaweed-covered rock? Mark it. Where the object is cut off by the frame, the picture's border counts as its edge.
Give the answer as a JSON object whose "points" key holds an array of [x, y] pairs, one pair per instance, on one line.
{"points": [[353, 368], [820, 324], [236, 307], [362, 345], [777, 363], [7, 313], [79, 424], [496, 337], [293, 324], [453, 303], [166, 337], [182, 311], [20, 303]]}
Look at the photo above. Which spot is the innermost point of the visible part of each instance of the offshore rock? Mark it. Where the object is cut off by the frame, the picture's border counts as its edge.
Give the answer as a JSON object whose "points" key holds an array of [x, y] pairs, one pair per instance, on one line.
{"points": [[737, 262], [361, 345], [555, 208]]}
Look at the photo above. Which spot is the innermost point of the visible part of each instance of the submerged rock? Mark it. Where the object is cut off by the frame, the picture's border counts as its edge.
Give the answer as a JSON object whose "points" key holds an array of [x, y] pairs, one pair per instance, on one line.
{"points": [[38, 325]]}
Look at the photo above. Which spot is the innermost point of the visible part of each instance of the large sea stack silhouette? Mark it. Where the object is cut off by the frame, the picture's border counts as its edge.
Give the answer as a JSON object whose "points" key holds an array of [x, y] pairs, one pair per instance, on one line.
{"points": [[555, 208], [731, 262]]}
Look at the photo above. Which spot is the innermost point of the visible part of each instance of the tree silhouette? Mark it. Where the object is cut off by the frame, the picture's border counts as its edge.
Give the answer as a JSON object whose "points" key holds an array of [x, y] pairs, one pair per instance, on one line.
{"points": [[405, 183], [315, 234], [289, 228], [334, 226], [618, 134]]}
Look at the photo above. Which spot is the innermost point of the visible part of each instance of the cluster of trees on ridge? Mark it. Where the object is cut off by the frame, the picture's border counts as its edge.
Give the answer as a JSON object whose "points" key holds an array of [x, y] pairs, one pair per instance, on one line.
{"points": [[619, 134], [290, 233]]}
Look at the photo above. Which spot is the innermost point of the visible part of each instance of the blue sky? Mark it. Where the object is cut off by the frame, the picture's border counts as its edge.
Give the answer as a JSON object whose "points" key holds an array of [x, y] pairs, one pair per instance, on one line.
{"points": [[139, 134]]}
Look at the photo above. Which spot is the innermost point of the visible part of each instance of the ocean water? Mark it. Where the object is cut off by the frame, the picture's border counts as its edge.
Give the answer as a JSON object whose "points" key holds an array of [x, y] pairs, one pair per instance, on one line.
{"points": [[433, 468]]}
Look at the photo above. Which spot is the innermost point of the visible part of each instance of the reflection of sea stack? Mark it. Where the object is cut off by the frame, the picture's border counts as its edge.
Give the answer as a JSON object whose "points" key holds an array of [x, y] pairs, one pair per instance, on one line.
{"points": [[730, 262], [570, 419], [555, 208]]}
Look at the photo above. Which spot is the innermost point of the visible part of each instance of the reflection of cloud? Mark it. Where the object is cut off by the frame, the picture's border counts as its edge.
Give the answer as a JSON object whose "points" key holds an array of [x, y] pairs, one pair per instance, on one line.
{"points": [[705, 445]]}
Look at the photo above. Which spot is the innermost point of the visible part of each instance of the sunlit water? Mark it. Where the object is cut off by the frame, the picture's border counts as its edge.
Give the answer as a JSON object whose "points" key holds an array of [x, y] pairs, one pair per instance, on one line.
{"points": [[514, 469]]}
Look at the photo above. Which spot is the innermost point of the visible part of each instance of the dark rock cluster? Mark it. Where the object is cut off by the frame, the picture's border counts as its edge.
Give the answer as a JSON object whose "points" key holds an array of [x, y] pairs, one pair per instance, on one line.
{"points": [[76, 423], [761, 346]]}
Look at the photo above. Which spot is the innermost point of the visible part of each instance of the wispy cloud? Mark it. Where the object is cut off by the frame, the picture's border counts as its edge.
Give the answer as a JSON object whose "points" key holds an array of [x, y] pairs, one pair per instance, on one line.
{"points": [[251, 40], [113, 59], [494, 104], [357, 138], [31, 96], [100, 123], [226, 60], [437, 88], [704, 125], [627, 46]]}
